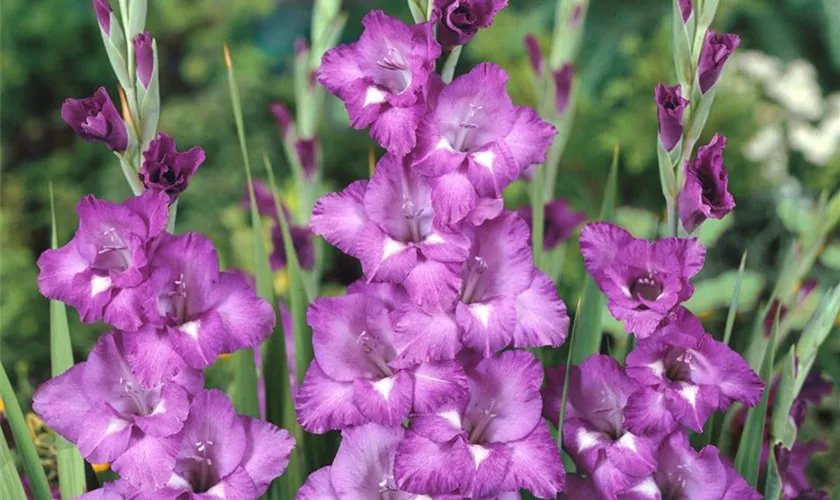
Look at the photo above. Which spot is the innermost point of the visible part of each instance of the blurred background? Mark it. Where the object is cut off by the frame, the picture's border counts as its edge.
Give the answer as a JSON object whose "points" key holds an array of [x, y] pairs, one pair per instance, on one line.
{"points": [[778, 104]]}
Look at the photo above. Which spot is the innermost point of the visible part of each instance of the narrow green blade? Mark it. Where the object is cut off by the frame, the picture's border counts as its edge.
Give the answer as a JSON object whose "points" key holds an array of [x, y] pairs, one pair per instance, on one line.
{"points": [[815, 333], [592, 300], [782, 428], [772, 481], [10, 486], [23, 441], [245, 377], [71, 467], [733, 306], [562, 417], [747, 461]]}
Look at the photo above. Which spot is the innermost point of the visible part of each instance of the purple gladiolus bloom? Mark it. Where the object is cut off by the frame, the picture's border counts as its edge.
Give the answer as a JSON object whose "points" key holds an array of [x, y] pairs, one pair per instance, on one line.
{"points": [[670, 107], [563, 86], [492, 440], [685, 9], [792, 464], [145, 58], [684, 473], [560, 222], [532, 45], [388, 224], [690, 374], [106, 258], [112, 416], [165, 169], [103, 15], [307, 151], [283, 117], [705, 193], [195, 312], [224, 455], [381, 77], [594, 430], [95, 119], [716, 50], [475, 142], [642, 280], [460, 20], [351, 381], [302, 243]]}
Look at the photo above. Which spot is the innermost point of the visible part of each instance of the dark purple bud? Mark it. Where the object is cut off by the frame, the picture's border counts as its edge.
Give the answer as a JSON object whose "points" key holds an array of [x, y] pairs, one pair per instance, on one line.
{"points": [[685, 9], [534, 53], [560, 222], [145, 58], [307, 150], [670, 107], [284, 118], [103, 15], [460, 20], [95, 119], [706, 191], [165, 169], [803, 293], [716, 50], [265, 200], [563, 87], [301, 241]]}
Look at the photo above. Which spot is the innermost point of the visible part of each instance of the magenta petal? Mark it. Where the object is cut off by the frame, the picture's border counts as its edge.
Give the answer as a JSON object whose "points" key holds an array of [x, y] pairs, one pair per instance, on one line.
{"points": [[530, 138], [386, 401], [234, 486], [541, 318], [199, 341], [340, 217], [423, 466], [436, 384], [737, 487], [420, 337], [691, 404], [62, 403], [647, 413], [247, 319], [213, 419], [634, 455], [365, 461], [433, 284], [148, 462], [323, 404], [491, 170], [127, 307], [536, 464], [453, 198], [318, 486], [488, 326], [152, 356], [384, 258], [440, 427], [57, 268], [491, 465], [395, 128], [337, 323], [599, 244], [104, 435], [168, 415], [268, 452]]}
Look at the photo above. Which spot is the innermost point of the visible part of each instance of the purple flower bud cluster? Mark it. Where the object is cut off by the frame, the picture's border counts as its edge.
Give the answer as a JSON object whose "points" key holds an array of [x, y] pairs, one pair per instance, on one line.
{"points": [[449, 285], [138, 402]]}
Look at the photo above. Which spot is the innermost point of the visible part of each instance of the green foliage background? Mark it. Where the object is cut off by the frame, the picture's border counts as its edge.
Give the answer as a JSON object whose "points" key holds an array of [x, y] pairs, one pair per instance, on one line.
{"points": [[52, 50]]}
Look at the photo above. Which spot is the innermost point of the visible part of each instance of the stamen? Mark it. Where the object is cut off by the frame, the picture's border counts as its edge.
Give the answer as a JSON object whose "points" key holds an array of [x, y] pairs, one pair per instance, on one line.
{"points": [[475, 269], [368, 346], [412, 218], [465, 126]]}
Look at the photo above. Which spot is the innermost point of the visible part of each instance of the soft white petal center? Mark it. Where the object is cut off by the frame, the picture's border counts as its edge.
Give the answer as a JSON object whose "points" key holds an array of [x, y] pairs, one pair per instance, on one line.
{"points": [[99, 284], [384, 386], [374, 95]]}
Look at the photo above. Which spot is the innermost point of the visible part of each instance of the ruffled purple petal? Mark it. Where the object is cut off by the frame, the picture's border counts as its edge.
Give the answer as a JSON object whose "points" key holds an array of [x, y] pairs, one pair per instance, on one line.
{"points": [[323, 404]]}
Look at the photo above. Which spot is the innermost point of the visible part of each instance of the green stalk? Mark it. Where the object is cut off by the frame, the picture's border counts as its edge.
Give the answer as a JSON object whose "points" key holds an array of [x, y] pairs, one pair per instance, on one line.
{"points": [[569, 363], [10, 486]]}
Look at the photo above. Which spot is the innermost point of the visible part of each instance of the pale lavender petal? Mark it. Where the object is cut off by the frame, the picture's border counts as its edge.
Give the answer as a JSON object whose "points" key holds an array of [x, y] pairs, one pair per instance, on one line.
{"points": [[213, 420], [436, 384], [487, 326], [104, 435], [420, 337], [541, 318], [267, 454], [423, 466], [323, 404], [246, 318], [364, 462], [536, 464], [148, 461], [318, 486], [340, 217], [386, 401], [62, 403]]}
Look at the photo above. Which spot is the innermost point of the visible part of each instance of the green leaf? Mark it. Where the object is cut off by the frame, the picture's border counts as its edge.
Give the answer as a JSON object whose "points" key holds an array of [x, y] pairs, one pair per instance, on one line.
{"points": [[736, 296], [245, 375], [772, 481], [815, 334], [747, 461], [712, 229], [592, 300], [115, 49], [23, 441], [708, 297], [830, 256], [71, 467], [448, 71], [136, 17], [10, 486], [562, 416], [781, 428]]}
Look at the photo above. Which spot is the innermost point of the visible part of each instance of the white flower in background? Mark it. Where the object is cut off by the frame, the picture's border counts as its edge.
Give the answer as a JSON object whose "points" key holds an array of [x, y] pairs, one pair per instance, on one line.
{"points": [[798, 91], [817, 144], [767, 143], [759, 65]]}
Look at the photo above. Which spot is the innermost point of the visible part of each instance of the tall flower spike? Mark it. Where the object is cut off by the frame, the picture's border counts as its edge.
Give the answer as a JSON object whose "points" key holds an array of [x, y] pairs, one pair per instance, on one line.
{"points": [[706, 192], [474, 143], [670, 107], [95, 119], [165, 169], [490, 442], [690, 375], [594, 432], [225, 455], [351, 381], [195, 312], [106, 260], [113, 417], [460, 20], [642, 280], [381, 77]]}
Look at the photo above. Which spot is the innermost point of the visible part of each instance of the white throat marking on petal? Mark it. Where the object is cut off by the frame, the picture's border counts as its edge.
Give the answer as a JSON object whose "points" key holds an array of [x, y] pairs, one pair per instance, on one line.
{"points": [[689, 392], [628, 441], [191, 329], [160, 408], [485, 159], [658, 368], [434, 239], [586, 439], [482, 313], [374, 96], [452, 417], [443, 144], [647, 488], [115, 425], [384, 386], [99, 284], [391, 247], [479, 454]]}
